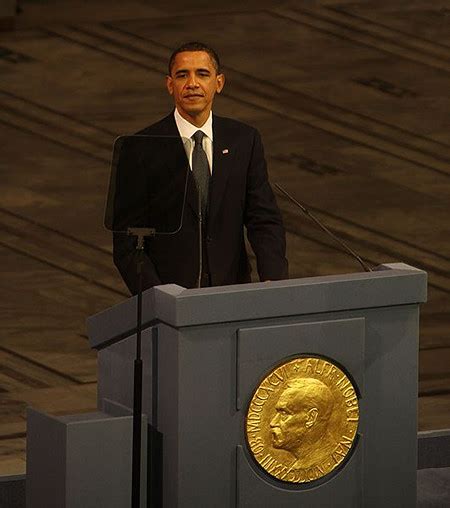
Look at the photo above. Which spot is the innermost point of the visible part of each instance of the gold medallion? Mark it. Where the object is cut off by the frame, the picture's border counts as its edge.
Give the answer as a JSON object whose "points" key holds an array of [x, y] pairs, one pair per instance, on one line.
{"points": [[302, 420]]}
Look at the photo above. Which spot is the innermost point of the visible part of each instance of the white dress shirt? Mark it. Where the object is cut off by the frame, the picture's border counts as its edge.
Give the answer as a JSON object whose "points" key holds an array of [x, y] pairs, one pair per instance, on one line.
{"points": [[187, 130]]}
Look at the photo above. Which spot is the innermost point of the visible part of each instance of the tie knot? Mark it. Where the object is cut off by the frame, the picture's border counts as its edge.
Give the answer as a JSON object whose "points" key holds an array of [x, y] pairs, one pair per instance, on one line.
{"points": [[198, 137]]}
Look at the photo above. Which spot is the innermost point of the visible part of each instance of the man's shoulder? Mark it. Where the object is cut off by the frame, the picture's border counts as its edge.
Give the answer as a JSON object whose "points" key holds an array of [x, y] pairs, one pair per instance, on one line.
{"points": [[164, 126], [232, 123], [230, 128]]}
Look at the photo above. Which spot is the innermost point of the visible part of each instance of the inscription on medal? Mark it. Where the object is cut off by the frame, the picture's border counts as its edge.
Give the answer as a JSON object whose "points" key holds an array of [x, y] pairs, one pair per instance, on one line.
{"points": [[302, 420]]}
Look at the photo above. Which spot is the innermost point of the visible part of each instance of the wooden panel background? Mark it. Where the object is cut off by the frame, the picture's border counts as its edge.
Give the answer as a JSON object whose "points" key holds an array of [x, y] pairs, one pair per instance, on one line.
{"points": [[351, 98]]}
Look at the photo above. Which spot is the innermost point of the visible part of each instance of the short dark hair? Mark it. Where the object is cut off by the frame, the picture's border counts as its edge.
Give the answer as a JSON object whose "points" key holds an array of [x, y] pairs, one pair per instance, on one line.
{"points": [[195, 46]]}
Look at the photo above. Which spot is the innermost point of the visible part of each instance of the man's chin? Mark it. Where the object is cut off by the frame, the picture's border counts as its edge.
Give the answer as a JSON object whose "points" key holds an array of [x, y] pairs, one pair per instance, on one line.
{"points": [[198, 105], [193, 111]]}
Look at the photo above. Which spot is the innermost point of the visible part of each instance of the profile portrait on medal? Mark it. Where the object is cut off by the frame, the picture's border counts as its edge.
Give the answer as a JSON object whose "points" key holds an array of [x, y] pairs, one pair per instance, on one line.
{"points": [[300, 423], [302, 420]]}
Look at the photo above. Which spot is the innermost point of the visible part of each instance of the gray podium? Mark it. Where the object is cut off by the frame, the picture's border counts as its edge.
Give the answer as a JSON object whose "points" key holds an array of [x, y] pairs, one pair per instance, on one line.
{"points": [[206, 350]]}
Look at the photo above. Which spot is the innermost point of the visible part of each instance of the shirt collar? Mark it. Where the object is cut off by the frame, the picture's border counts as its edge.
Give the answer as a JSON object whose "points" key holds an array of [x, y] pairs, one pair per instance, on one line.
{"points": [[187, 130]]}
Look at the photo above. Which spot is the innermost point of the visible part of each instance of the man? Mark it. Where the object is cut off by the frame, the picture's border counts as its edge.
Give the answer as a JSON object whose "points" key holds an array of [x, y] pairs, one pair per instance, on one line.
{"points": [[300, 423], [227, 189]]}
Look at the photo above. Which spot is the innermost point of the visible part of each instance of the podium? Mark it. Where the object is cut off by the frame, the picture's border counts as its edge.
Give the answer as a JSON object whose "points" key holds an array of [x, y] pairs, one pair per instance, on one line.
{"points": [[206, 351]]}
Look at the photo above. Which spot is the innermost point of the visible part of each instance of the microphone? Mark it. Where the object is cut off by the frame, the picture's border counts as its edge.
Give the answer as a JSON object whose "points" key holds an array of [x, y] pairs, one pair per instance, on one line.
{"points": [[324, 228]]}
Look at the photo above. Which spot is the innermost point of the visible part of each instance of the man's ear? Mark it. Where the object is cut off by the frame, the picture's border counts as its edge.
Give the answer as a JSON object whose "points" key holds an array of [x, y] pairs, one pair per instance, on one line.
{"points": [[311, 417], [169, 84], [220, 82]]}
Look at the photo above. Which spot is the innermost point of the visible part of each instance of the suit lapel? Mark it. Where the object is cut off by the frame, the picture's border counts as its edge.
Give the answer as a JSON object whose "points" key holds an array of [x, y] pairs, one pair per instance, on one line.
{"points": [[222, 156]]}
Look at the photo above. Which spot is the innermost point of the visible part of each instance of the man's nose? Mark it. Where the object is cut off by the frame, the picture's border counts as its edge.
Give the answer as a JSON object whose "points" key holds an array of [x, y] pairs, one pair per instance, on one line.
{"points": [[192, 81], [274, 421]]}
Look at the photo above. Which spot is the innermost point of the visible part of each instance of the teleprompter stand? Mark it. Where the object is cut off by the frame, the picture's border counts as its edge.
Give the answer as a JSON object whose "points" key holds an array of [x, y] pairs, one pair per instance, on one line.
{"points": [[146, 199], [140, 234]]}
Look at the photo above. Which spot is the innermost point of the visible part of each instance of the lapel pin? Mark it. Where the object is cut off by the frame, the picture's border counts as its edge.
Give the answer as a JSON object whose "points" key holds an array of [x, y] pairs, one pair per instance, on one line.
{"points": [[225, 151]]}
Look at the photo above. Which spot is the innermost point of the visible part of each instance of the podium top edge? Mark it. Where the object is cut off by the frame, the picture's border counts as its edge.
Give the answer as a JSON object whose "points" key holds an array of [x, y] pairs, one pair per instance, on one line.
{"points": [[388, 270], [389, 285]]}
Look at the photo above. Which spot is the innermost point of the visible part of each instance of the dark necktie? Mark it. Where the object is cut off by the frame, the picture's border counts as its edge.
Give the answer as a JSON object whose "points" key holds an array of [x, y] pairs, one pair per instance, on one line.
{"points": [[200, 170]]}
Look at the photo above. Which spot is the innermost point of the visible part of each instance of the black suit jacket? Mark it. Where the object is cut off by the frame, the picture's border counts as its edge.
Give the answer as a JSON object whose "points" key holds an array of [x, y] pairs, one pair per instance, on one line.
{"points": [[240, 195]]}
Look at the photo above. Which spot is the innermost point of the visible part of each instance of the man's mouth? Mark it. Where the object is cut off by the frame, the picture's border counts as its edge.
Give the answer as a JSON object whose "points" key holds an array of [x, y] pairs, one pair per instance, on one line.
{"points": [[193, 96]]}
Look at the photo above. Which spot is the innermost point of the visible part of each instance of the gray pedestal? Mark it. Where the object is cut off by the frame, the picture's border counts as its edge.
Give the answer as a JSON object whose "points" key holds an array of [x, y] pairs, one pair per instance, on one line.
{"points": [[206, 350], [80, 461]]}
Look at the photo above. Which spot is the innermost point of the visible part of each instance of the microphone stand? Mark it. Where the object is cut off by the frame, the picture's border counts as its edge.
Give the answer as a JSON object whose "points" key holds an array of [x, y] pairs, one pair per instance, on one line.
{"points": [[324, 228], [200, 241], [140, 233]]}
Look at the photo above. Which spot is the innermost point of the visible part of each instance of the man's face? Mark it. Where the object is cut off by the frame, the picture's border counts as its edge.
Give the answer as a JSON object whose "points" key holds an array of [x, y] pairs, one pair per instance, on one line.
{"points": [[193, 83], [289, 423]]}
